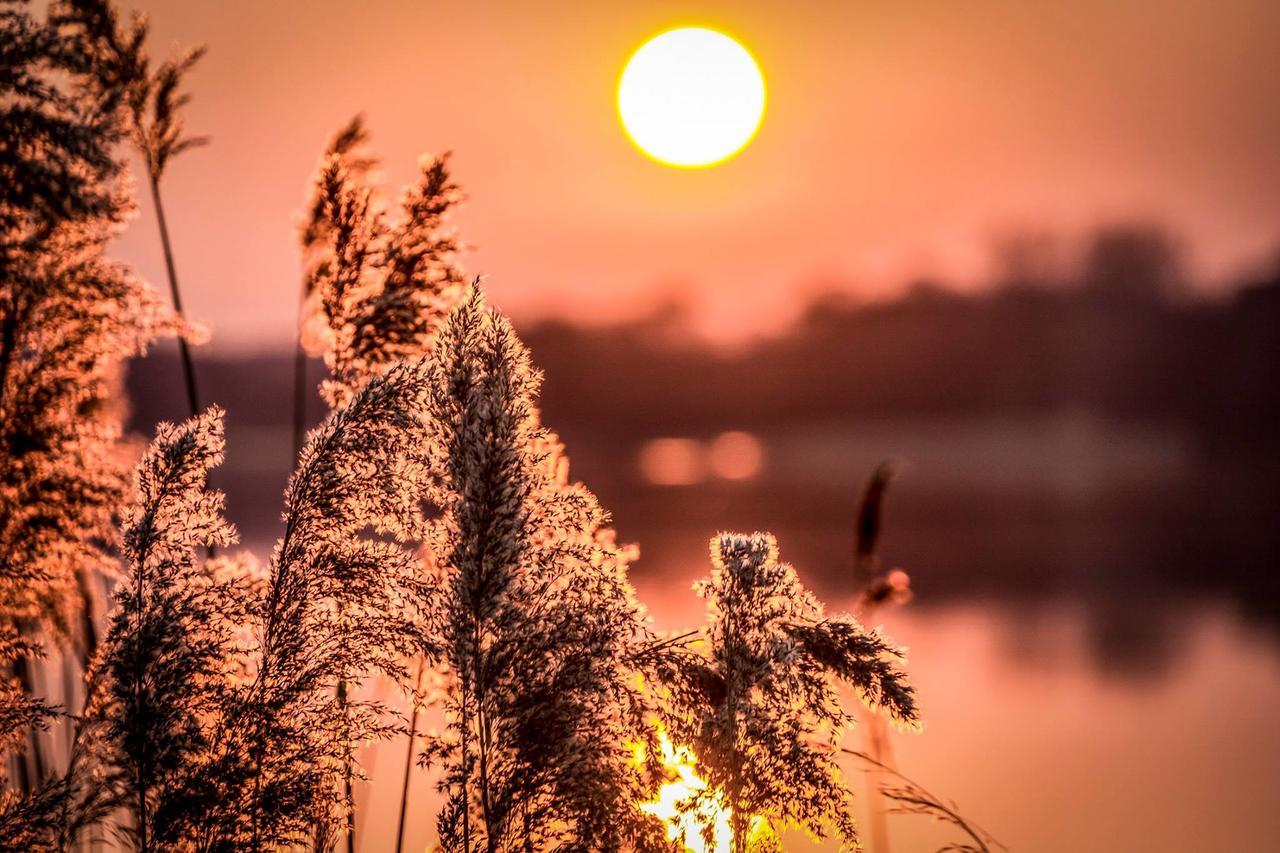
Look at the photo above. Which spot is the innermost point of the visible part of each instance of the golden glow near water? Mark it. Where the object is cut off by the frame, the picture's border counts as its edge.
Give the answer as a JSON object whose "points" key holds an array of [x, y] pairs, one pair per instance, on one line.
{"points": [[691, 97], [690, 814], [994, 680]]}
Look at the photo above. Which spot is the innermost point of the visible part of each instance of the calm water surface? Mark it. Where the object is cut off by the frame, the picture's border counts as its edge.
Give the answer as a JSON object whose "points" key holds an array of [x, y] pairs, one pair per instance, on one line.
{"points": [[1035, 741]]}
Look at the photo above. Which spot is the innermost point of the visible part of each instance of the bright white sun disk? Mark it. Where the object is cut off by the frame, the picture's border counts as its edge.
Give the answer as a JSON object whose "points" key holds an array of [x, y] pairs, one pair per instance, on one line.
{"points": [[691, 97]]}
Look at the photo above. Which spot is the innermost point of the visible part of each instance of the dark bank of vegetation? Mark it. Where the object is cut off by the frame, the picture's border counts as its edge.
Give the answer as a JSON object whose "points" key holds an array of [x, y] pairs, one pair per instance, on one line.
{"points": [[1121, 335], [1061, 368], [1105, 409], [218, 700]]}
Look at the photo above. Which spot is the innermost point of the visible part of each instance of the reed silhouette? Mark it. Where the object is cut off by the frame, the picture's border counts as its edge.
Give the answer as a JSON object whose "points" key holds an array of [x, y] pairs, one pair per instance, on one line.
{"points": [[313, 236], [760, 708], [538, 621], [170, 659], [69, 318], [153, 115], [378, 285], [375, 290], [430, 525]]}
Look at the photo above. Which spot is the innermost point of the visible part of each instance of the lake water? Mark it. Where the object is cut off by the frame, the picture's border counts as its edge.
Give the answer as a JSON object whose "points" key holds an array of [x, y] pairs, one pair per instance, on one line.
{"points": [[1034, 741], [1094, 634]]}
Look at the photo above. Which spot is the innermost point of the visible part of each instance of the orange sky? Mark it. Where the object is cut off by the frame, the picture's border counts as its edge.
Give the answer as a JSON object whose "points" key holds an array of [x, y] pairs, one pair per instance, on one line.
{"points": [[900, 139]]}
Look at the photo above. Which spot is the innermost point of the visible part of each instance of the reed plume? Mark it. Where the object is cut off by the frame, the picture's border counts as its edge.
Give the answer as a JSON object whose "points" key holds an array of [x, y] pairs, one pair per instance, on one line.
{"points": [[378, 285], [761, 709], [69, 317], [343, 600], [220, 703], [539, 624], [172, 656], [153, 110], [348, 145]]}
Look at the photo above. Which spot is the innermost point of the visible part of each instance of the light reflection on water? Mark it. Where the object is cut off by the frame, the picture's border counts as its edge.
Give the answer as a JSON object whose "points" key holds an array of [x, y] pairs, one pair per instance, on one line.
{"points": [[1051, 753], [1047, 750]]}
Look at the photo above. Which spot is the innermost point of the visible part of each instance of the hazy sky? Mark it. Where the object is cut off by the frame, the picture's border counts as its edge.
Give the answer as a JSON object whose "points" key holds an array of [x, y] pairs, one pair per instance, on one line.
{"points": [[901, 138]]}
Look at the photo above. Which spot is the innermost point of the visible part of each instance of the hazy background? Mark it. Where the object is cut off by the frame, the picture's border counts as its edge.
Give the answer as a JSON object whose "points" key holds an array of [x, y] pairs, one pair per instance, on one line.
{"points": [[1030, 252], [1089, 477], [900, 139]]}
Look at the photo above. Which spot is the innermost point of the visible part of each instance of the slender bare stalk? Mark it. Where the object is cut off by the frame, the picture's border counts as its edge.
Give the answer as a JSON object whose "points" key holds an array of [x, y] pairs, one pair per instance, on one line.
{"points": [[867, 530], [347, 793], [876, 738], [299, 395], [876, 812], [408, 761], [184, 349], [914, 798], [188, 368], [32, 767], [466, 767], [141, 775], [482, 729]]}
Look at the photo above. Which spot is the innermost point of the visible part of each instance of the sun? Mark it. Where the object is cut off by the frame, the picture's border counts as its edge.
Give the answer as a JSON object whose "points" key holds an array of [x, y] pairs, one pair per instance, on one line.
{"points": [[691, 97]]}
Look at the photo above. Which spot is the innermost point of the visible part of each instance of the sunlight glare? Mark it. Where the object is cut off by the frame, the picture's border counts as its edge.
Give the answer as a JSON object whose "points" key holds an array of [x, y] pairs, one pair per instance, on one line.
{"points": [[683, 807]]}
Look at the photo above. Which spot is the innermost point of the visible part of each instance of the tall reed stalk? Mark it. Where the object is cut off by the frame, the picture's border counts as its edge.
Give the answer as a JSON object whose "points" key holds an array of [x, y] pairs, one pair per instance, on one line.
{"points": [[340, 604], [868, 527], [538, 621], [348, 771], [300, 387], [68, 317], [410, 754], [175, 293], [154, 108], [172, 633], [381, 285]]}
